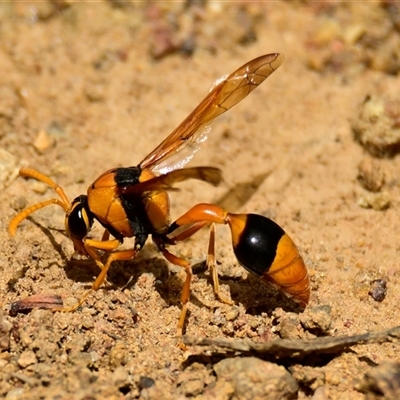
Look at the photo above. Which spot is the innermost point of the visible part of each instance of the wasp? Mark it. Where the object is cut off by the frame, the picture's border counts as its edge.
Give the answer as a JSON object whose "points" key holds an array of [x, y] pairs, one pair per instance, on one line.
{"points": [[134, 202]]}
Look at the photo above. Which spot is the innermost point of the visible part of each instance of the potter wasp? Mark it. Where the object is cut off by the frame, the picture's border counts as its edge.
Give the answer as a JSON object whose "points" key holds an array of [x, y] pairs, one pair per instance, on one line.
{"points": [[134, 202]]}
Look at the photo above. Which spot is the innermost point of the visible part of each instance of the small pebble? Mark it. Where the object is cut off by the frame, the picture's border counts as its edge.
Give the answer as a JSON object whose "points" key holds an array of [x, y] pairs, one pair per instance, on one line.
{"points": [[145, 382], [19, 203], [43, 141], [27, 358], [118, 356], [39, 187], [8, 168], [377, 201], [376, 127], [378, 289], [232, 314], [121, 378], [370, 175], [241, 373], [15, 394], [192, 387], [5, 329], [317, 319]]}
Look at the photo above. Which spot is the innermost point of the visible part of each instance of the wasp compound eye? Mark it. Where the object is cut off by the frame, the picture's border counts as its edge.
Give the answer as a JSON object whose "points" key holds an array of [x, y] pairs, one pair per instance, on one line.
{"points": [[78, 221], [264, 249]]}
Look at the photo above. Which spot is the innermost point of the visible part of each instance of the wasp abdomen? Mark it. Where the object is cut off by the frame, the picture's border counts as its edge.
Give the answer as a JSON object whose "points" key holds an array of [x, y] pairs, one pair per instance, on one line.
{"points": [[263, 248]]}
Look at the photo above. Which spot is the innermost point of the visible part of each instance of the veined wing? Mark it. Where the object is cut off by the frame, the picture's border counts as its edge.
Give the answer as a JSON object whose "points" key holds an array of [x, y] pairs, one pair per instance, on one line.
{"points": [[180, 157], [223, 96]]}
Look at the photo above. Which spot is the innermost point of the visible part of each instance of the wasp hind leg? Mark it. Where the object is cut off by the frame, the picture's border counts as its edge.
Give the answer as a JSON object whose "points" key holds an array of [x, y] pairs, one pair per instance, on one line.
{"points": [[212, 267], [183, 228], [197, 217]]}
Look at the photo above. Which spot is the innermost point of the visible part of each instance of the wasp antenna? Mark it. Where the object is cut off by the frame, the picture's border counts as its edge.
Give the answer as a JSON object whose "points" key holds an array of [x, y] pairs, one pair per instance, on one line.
{"points": [[63, 203], [13, 225], [32, 173]]}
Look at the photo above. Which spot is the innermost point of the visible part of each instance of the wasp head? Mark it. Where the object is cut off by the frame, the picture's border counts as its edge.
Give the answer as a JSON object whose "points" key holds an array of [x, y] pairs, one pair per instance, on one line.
{"points": [[78, 222]]}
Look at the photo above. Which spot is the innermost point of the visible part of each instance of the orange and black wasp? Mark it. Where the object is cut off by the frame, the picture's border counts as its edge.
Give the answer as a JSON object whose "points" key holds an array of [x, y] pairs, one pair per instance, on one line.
{"points": [[134, 202]]}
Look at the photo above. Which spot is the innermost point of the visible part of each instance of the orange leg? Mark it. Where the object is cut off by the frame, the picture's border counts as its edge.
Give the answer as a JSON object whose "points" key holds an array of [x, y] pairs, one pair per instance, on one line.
{"points": [[202, 212], [115, 256], [194, 219], [91, 246], [197, 217], [185, 233], [173, 259], [212, 266]]}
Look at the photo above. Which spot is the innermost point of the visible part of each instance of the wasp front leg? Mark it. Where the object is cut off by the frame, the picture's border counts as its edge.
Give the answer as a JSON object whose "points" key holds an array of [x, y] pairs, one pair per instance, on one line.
{"points": [[91, 247]]}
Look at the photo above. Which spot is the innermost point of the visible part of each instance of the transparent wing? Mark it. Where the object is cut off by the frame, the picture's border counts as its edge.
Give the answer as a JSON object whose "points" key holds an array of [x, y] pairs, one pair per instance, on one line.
{"points": [[183, 155], [192, 132]]}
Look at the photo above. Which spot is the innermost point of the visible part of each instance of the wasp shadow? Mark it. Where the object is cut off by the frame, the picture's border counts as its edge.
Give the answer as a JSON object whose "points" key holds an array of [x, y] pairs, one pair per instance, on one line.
{"points": [[125, 274], [240, 194], [317, 360], [122, 274], [256, 296], [48, 233]]}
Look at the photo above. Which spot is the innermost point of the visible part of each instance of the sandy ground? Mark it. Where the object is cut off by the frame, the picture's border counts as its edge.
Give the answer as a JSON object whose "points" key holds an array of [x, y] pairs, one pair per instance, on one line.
{"points": [[87, 87]]}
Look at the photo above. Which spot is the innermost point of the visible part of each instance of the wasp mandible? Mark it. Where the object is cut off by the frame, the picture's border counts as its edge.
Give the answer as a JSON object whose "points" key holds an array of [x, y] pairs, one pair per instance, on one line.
{"points": [[134, 202]]}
